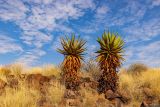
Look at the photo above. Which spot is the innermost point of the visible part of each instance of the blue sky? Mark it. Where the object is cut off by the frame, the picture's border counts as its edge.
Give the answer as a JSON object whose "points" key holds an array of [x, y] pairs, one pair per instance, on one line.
{"points": [[30, 30]]}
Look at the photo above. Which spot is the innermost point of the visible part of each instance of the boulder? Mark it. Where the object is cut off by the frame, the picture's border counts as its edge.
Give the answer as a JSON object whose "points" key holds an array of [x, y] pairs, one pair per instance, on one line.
{"points": [[38, 80], [144, 104], [73, 102], [101, 102], [22, 77], [70, 94], [2, 86], [33, 80], [148, 93], [118, 98], [110, 95], [12, 81], [44, 102], [124, 97]]}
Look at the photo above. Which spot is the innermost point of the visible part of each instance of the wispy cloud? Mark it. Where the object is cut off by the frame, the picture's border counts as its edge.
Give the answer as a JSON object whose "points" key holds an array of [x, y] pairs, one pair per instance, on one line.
{"points": [[155, 3], [31, 57], [144, 53], [9, 45], [35, 38], [101, 11], [39, 18], [143, 31], [12, 10], [56, 44]]}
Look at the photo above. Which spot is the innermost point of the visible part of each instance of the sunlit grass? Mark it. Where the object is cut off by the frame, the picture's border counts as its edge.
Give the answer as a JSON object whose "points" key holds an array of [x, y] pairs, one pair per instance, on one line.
{"points": [[25, 97]]}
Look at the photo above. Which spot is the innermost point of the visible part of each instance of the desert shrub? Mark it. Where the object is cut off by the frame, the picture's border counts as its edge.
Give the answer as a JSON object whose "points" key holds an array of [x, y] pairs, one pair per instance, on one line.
{"points": [[34, 70], [92, 68], [48, 70], [16, 69], [137, 68], [5, 70], [134, 84], [56, 93], [23, 97], [13, 69]]}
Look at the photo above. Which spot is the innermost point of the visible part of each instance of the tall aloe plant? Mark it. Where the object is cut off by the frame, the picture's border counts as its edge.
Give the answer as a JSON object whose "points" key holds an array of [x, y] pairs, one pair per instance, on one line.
{"points": [[73, 50], [110, 57]]}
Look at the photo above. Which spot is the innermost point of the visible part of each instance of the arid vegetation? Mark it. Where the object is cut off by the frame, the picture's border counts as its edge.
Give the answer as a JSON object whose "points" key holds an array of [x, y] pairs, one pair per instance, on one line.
{"points": [[134, 89], [98, 83], [110, 56]]}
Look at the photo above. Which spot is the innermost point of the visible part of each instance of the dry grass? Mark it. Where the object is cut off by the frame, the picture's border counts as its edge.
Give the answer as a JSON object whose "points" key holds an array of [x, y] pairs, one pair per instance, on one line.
{"points": [[134, 84], [24, 97], [46, 70]]}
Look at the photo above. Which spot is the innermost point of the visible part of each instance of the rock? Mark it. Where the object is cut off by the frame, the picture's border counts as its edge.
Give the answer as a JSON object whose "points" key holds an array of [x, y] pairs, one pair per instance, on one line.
{"points": [[53, 80], [44, 80], [33, 80], [74, 102], [71, 94], [110, 95], [148, 93], [101, 102], [2, 86], [88, 83], [65, 102], [144, 104], [72, 98], [150, 98], [23, 77], [124, 97], [93, 85], [44, 102], [38, 80], [62, 103], [86, 79], [118, 99], [12, 81]]}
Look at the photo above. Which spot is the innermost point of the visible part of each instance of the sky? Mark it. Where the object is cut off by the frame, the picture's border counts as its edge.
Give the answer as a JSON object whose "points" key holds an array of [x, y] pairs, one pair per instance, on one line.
{"points": [[30, 30]]}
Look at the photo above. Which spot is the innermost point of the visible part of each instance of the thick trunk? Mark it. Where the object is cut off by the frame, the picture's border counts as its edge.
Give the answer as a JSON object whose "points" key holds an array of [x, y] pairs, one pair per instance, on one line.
{"points": [[71, 68], [108, 81]]}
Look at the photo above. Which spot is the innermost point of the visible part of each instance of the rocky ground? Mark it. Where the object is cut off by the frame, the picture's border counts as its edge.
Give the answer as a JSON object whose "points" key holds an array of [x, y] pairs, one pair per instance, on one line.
{"points": [[38, 90]]}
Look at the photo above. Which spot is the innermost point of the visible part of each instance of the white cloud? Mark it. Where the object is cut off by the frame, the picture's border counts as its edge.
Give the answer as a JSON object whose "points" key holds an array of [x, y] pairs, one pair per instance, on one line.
{"points": [[31, 57], [39, 18], [148, 54], [35, 38], [155, 3], [56, 43], [12, 10], [143, 31], [9, 45], [101, 11], [42, 15], [91, 49], [130, 13]]}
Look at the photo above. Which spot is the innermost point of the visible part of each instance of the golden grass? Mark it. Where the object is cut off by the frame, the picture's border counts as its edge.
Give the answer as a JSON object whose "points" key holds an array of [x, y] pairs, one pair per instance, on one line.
{"points": [[19, 97], [44, 70], [134, 84], [24, 97]]}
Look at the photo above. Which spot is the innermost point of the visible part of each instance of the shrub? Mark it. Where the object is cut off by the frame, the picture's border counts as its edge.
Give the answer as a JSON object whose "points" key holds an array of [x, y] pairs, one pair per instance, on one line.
{"points": [[92, 68], [137, 68], [5, 70]]}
